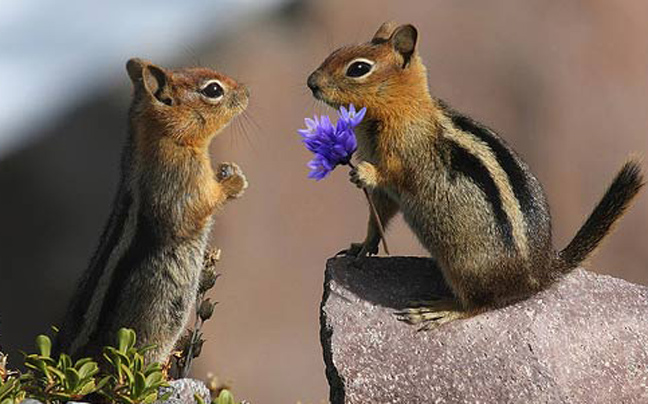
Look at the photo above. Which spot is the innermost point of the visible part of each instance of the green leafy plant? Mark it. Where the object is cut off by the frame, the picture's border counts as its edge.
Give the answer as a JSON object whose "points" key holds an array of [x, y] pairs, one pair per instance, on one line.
{"points": [[130, 379], [225, 397], [123, 378], [61, 380], [11, 391]]}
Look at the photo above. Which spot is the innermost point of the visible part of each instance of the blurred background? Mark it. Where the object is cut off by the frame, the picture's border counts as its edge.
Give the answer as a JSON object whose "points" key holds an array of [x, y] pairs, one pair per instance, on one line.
{"points": [[566, 83]]}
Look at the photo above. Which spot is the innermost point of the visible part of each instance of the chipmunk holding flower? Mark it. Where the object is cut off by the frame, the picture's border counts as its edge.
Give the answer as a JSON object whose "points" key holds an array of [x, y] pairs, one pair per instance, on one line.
{"points": [[468, 197], [144, 274]]}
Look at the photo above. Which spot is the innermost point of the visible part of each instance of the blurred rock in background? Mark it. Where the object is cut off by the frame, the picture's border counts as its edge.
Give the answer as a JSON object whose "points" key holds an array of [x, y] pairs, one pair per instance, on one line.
{"points": [[565, 83]]}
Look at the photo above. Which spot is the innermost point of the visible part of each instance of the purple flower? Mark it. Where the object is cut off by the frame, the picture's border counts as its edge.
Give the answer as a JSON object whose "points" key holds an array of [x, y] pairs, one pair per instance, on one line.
{"points": [[332, 145], [351, 117], [320, 167]]}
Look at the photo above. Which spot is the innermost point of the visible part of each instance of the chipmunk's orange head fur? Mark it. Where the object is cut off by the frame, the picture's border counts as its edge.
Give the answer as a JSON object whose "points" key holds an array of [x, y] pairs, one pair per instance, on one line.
{"points": [[188, 106], [382, 74]]}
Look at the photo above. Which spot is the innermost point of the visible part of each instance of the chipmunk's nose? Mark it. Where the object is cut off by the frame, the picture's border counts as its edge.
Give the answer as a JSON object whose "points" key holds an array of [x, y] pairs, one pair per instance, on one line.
{"points": [[313, 83]]}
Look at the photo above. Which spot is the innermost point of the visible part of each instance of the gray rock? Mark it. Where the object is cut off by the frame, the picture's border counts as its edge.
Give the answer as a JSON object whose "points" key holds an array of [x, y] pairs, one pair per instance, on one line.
{"points": [[583, 340], [184, 390]]}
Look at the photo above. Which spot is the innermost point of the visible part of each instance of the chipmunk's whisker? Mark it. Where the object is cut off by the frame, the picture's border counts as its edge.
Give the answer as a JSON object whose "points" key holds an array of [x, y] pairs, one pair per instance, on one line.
{"points": [[243, 128], [250, 119], [246, 133]]}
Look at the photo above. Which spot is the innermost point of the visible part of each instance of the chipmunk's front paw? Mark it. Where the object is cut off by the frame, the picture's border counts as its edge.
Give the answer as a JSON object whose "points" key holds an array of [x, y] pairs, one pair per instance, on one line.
{"points": [[232, 179], [365, 175], [360, 250]]}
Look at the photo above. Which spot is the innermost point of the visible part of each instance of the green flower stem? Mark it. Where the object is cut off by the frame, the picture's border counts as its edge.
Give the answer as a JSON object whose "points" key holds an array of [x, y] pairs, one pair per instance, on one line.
{"points": [[374, 212]]}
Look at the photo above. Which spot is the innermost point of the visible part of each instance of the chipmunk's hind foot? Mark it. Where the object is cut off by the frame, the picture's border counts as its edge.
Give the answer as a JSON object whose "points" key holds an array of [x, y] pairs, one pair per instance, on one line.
{"points": [[430, 314]]}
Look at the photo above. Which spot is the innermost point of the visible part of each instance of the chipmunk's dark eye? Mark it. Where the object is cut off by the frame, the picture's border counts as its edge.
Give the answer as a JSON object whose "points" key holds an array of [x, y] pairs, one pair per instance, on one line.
{"points": [[213, 89], [358, 68]]}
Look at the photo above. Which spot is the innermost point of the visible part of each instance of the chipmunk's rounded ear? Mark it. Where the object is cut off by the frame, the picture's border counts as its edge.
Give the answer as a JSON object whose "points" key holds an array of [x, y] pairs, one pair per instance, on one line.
{"points": [[404, 42], [152, 79], [384, 32]]}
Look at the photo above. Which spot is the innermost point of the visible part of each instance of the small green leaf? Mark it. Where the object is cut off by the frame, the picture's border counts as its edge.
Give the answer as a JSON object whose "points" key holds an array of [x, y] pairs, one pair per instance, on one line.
{"points": [[125, 339], [72, 379], [103, 382], [59, 374], [154, 379], [44, 345], [43, 368], [64, 362], [87, 388], [123, 358], [128, 373], [150, 398], [43, 359], [138, 363], [108, 354], [88, 369], [225, 397], [82, 362], [126, 399], [32, 363], [140, 385]]}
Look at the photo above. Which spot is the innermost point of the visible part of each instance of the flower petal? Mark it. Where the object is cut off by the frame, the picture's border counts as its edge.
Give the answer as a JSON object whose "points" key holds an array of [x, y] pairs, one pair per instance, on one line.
{"points": [[360, 116]]}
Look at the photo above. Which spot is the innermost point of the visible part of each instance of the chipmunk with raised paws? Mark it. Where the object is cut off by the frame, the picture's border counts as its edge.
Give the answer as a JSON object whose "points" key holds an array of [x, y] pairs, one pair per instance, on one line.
{"points": [[144, 274], [468, 197]]}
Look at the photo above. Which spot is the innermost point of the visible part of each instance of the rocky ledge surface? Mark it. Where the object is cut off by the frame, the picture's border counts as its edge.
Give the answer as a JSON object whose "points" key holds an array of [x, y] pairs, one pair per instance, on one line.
{"points": [[583, 340]]}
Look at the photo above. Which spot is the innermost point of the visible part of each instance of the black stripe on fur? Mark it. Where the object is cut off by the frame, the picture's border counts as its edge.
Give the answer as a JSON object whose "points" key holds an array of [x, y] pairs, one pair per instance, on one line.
{"points": [[464, 162]]}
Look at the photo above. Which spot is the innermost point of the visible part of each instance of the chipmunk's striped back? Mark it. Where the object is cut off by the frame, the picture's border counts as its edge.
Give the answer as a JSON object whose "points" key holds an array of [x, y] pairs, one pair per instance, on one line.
{"points": [[480, 210], [518, 200]]}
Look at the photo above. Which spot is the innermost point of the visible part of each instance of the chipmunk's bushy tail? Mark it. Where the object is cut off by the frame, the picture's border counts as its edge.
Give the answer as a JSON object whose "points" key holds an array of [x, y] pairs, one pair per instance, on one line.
{"points": [[612, 206]]}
